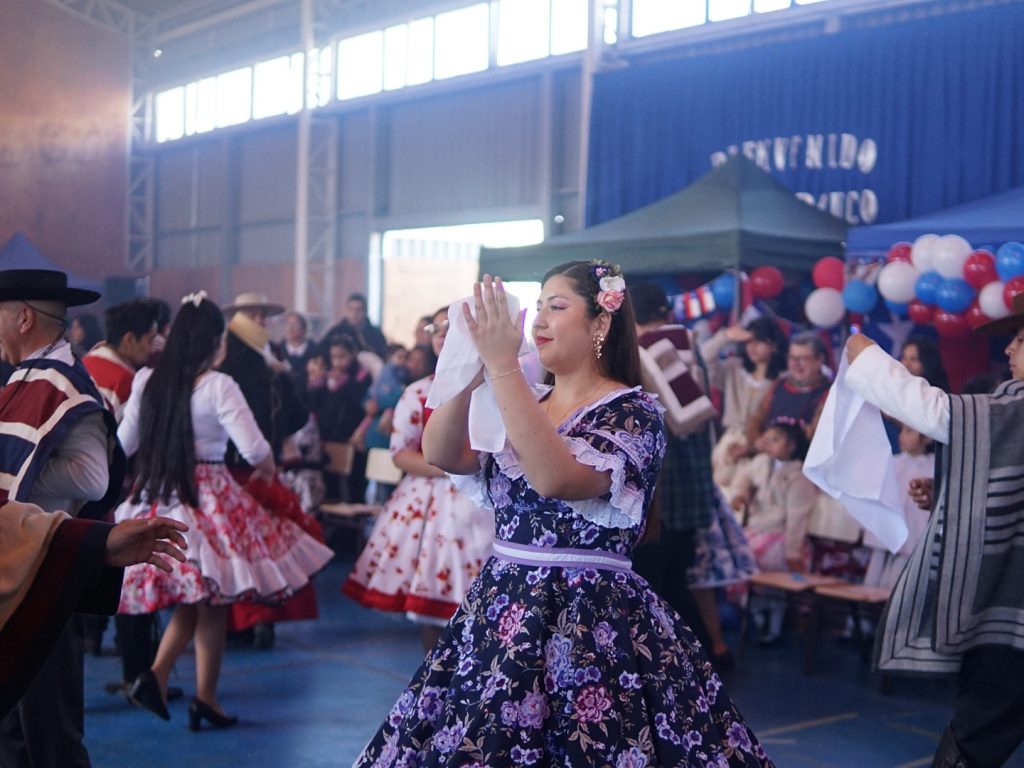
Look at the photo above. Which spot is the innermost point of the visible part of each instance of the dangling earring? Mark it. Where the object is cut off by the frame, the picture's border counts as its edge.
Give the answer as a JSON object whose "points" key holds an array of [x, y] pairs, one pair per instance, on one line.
{"points": [[598, 344]]}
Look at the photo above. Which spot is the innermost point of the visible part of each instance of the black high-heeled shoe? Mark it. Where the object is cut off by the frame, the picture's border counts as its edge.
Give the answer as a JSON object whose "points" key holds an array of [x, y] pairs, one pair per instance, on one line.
{"points": [[199, 710], [145, 693]]}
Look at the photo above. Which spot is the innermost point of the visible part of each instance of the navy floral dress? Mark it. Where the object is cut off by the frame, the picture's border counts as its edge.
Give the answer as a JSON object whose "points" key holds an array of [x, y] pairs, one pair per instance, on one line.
{"points": [[560, 655]]}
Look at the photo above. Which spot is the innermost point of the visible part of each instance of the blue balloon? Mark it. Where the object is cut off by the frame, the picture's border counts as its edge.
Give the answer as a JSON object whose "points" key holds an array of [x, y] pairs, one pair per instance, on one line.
{"points": [[860, 297], [1010, 261], [927, 286], [900, 310], [723, 288], [954, 295]]}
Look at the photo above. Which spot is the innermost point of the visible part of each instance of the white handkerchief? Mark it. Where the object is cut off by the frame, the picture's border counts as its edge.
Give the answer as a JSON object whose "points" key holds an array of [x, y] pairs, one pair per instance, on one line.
{"points": [[850, 459], [458, 364]]}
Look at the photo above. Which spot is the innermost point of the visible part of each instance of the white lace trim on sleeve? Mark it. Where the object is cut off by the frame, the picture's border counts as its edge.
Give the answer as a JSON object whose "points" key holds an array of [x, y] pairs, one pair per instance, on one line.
{"points": [[625, 508], [474, 486]]}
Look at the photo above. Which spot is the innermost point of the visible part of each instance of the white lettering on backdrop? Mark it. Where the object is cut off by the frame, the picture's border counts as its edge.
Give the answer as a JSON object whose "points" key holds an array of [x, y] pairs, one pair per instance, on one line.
{"points": [[817, 152]]}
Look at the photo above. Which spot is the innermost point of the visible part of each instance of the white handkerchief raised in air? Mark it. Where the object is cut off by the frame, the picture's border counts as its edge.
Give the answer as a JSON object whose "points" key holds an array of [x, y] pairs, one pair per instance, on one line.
{"points": [[458, 364], [850, 459]]}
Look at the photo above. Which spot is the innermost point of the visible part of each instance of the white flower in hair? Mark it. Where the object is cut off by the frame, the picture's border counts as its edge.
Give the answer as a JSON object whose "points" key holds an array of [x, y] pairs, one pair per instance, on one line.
{"points": [[194, 298], [613, 283]]}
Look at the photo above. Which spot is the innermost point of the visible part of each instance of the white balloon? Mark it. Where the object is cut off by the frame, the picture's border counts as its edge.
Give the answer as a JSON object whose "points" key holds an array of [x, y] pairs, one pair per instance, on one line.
{"points": [[992, 301], [896, 282], [949, 255], [824, 307], [922, 251]]}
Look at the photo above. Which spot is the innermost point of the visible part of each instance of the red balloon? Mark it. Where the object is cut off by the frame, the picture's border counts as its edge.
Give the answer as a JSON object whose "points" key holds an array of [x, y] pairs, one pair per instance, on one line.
{"points": [[920, 312], [1013, 286], [899, 252], [766, 282], [975, 316], [829, 272], [980, 269], [951, 326]]}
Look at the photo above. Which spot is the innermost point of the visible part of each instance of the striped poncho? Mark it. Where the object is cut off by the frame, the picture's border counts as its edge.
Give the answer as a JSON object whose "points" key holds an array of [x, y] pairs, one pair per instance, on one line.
{"points": [[962, 586], [41, 403]]}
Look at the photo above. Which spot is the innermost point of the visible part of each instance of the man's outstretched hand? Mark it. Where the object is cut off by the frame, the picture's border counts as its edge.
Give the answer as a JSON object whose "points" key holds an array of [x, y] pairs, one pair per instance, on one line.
{"points": [[146, 541]]}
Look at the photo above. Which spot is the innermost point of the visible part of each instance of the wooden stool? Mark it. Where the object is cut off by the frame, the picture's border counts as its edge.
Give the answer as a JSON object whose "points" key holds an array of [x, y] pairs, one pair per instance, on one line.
{"points": [[858, 598], [796, 587]]}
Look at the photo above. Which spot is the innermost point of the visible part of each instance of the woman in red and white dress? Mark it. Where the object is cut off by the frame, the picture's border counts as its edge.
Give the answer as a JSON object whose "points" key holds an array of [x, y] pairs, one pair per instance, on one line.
{"points": [[177, 423], [430, 540]]}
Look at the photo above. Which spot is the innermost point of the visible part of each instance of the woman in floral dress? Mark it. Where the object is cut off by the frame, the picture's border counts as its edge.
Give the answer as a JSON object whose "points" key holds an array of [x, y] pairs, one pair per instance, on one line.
{"points": [[430, 540], [560, 655]]}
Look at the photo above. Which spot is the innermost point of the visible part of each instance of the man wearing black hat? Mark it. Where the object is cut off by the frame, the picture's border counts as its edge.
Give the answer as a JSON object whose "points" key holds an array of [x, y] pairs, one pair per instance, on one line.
{"points": [[60, 452]]}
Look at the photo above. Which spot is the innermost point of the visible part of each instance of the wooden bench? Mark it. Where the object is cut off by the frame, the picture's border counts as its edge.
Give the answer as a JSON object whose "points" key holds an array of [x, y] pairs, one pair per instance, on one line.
{"points": [[350, 514], [798, 588], [860, 600]]}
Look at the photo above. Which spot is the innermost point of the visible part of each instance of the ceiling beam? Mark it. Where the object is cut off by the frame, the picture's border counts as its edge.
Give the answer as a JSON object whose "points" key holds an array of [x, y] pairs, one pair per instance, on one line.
{"points": [[106, 14]]}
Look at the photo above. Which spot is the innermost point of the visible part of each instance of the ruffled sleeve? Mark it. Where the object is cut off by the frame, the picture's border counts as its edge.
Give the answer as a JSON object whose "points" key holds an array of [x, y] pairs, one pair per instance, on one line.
{"points": [[407, 422], [624, 436], [474, 487]]}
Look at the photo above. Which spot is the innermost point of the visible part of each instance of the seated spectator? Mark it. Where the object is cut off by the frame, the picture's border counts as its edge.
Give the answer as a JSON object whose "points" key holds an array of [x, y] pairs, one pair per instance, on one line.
{"points": [[357, 326], [296, 348], [799, 395], [744, 380], [420, 362], [337, 400], [778, 500], [915, 459]]}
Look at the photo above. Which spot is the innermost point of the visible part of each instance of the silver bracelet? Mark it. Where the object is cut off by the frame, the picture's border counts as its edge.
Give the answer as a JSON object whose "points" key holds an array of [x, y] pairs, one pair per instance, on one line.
{"points": [[517, 369]]}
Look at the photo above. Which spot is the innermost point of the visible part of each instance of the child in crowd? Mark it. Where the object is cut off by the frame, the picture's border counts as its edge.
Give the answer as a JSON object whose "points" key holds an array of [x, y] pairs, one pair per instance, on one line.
{"points": [[915, 459], [778, 501], [336, 396], [379, 406]]}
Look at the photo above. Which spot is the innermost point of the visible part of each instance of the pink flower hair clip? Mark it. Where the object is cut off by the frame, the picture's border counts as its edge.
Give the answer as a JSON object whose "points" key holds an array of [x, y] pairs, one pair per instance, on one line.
{"points": [[612, 285]]}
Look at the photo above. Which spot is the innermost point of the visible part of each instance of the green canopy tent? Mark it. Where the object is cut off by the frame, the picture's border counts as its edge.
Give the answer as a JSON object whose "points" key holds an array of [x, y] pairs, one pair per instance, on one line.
{"points": [[734, 216]]}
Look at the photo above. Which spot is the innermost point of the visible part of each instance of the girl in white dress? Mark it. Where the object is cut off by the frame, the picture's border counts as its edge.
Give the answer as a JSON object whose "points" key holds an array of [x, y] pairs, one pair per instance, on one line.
{"points": [[430, 540], [177, 423]]}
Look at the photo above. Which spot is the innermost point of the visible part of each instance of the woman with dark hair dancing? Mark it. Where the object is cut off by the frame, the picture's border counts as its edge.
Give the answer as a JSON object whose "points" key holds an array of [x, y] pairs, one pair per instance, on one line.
{"points": [[560, 654], [177, 422]]}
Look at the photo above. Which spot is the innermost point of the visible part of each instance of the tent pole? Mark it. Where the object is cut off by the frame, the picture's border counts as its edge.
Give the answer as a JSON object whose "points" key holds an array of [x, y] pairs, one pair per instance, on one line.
{"points": [[595, 41]]}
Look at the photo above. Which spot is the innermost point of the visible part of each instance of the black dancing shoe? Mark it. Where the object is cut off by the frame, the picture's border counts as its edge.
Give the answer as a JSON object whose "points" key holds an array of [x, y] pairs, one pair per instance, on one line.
{"points": [[199, 710], [145, 693]]}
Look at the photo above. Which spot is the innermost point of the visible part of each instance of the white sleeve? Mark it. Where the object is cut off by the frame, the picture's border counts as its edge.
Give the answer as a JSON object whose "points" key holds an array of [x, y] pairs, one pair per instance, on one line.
{"points": [[886, 384], [236, 417], [128, 428], [78, 468]]}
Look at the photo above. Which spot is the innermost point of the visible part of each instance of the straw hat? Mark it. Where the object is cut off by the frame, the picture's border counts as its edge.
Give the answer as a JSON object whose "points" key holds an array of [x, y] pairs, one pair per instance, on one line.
{"points": [[1009, 325], [253, 300], [251, 333]]}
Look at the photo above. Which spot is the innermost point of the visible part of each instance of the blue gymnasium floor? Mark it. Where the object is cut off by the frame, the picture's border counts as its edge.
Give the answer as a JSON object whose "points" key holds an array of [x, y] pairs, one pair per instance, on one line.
{"points": [[318, 696]]}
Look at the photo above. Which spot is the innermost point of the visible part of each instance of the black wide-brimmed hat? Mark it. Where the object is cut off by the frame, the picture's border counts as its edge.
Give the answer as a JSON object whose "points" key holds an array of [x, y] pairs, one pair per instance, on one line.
{"points": [[1009, 325], [42, 285]]}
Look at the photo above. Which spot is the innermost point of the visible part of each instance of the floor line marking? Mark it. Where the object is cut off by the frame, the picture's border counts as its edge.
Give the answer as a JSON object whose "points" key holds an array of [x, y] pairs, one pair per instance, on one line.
{"points": [[808, 724], [916, 763], [916, 730]]}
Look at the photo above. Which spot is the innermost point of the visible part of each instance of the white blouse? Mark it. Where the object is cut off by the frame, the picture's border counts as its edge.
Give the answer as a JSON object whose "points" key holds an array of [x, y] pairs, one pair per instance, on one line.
{"points": [[219, 414]]}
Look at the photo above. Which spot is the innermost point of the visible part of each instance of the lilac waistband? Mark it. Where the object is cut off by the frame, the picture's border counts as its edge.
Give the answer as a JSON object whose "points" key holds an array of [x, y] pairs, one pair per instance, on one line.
{"points": [[527, 554]]}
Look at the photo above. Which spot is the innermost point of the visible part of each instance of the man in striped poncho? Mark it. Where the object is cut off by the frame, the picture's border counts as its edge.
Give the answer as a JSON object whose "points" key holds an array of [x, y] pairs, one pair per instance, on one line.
{"points": [[958, 606], [58, 450]]}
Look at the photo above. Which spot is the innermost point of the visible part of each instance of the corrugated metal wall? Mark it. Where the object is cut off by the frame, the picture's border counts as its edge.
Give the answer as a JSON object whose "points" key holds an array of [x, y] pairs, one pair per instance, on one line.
{"points": [[505, 150]]}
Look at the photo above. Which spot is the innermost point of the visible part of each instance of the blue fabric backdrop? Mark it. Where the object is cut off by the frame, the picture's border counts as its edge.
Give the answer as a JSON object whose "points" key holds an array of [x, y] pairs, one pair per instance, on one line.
{"points": [[875, 124]]}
